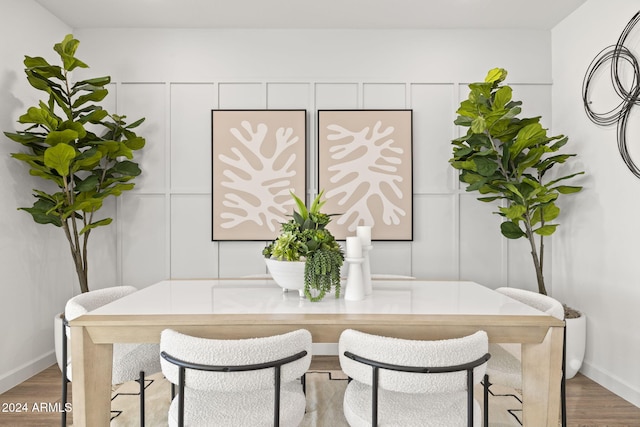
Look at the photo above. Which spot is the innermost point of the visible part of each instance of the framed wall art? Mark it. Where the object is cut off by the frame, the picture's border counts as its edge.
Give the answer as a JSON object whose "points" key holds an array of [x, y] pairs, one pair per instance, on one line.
{"points": [[258, 156], [365, 167]]}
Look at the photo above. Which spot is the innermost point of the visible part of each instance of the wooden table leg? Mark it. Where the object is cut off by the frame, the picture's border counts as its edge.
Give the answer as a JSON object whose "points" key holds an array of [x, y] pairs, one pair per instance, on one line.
{"points": [[91, 380], [541, 377]]}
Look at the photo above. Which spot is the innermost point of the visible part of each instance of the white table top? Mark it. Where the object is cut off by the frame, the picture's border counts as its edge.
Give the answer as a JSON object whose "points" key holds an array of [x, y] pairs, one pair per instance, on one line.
{"points": [[263, 296]]}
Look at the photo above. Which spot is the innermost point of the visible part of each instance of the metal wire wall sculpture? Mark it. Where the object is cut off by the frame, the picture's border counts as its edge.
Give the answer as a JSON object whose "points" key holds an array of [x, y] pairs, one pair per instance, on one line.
{"points": [[618, 55]]}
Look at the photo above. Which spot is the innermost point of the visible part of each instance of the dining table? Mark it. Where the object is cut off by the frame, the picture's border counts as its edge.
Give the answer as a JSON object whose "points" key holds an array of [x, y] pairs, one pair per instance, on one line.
{"points": [[237, 308]]}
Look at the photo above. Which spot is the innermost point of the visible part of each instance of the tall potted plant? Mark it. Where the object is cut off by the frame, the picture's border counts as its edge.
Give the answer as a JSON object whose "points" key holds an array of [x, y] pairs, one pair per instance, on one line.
{"points": [[63, 147], [508, 159]]}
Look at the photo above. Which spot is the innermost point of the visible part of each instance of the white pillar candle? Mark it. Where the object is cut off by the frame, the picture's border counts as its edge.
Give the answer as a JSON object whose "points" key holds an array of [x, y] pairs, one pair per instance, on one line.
{"points": [[364, 234], [354, 247]]}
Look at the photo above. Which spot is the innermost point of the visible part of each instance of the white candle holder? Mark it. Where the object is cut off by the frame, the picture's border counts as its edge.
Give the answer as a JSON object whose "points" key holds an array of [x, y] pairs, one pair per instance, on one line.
{"points": [[363, 232], [355, 281], [366, 270]]}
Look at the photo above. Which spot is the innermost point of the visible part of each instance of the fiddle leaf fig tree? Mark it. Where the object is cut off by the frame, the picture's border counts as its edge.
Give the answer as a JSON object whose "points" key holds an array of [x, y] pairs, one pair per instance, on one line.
{"points": [[63, 147], [507, 159]]}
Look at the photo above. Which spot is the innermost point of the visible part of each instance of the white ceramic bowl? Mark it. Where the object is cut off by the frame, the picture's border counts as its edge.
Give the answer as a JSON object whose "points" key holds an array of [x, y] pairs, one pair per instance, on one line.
{"points": [[287, 274]]}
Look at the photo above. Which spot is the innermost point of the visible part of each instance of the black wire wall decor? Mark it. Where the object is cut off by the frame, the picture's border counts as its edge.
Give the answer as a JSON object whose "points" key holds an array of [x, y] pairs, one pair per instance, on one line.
{"points": [[618, 55]]}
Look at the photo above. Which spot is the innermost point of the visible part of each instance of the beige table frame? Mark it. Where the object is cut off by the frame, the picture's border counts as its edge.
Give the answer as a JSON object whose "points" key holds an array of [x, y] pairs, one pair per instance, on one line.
{"points": [[93, 335]]}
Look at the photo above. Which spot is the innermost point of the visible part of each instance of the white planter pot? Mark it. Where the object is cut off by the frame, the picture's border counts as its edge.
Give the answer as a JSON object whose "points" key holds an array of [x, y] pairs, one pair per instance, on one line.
{"points": [[576, 344], [287, 274]]}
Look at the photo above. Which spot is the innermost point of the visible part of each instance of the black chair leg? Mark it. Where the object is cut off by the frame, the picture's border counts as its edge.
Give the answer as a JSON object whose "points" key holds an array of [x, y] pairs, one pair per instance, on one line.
{"points": [[303, 380], [485, 391], [141, 381]]}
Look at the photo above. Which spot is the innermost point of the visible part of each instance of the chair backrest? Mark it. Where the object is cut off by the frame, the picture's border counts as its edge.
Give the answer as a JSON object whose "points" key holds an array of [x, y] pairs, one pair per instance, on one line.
{"points": [[396, 351], [538, 301], [88, 301], [248, 351]]}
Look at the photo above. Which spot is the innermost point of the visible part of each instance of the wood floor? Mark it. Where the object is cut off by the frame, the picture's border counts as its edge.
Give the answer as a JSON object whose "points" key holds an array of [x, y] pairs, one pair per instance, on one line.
{"points": [[588, 404]]}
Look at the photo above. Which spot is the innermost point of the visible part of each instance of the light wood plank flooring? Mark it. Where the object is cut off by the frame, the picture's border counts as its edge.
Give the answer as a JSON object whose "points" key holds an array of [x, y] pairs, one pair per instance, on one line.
{"points": [[588, 404]]}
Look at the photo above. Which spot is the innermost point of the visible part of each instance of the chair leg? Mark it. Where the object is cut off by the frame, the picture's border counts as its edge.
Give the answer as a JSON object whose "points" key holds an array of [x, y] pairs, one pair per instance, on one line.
{"points": [[485, 390], [141, 381], [64, 374], [563, 388], [303, 380]]}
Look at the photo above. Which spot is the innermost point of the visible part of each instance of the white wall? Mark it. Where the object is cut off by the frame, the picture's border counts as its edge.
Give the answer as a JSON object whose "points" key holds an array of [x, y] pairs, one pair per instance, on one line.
{"points": [[595, 264], [36, 276]]}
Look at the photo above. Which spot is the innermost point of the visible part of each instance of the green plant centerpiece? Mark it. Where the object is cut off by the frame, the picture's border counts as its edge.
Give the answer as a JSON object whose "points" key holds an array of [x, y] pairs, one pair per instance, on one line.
{"points": [[305, 238], [508, 159], [62, 148]]}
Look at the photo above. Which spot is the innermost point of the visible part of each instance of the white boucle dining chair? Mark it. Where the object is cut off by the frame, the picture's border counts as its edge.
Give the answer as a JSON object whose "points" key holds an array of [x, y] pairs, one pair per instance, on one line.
{"points": [[130, 361], [403, 383], [505, 367], [241, 382]]}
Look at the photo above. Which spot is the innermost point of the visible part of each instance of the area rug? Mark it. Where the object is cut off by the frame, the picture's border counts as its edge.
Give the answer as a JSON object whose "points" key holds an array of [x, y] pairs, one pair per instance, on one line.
{"points": [[325, 390]]}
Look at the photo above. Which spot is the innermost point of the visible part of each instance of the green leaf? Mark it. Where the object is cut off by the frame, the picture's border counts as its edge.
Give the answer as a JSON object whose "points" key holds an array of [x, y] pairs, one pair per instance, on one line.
{"points": [[115, 190], [88, 184], [39, 116], [564, 178], [514, 211], [484, 166], [547, 212], [477, 185], [93, 225], [567, 189], [511, 230], [24, 138], [38, 82], [74, 126], [546, 230], [478, 125], [135, 143], [61, 137], [302, 208], [135, 124], [502, 97], [562, 140], [94, 96], [550, 212], [528, 136], [127, 168], [317, 203], [88, 159], [467, 165], [94, 116], [496, 75], [489, 199], [40, 214], [59, 158], [40, 67], [462, 152], [47, 175], [67, 49], [96, 81], [463, 120]]}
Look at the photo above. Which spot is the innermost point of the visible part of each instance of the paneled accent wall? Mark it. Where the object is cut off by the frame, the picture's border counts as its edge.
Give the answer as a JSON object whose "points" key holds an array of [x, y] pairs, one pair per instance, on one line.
{"points": [[165, 223]]}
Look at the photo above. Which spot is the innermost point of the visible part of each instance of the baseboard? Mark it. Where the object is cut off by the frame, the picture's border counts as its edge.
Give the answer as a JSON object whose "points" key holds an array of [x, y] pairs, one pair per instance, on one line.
{"points": [[26, 371], [611, 383]]}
